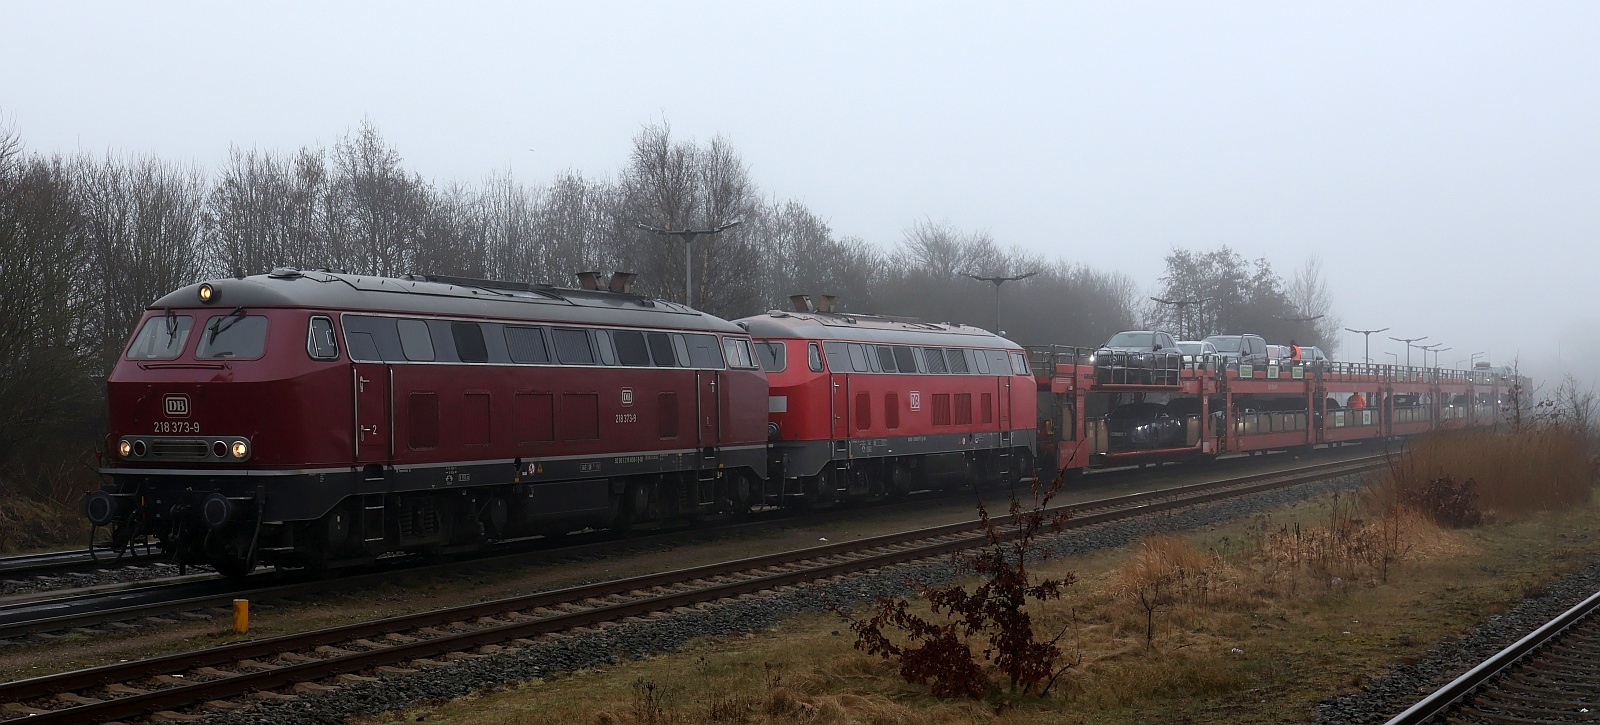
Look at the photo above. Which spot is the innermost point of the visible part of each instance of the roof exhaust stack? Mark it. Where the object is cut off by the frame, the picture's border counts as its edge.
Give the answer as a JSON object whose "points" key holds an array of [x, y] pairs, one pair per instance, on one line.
{"points": [[622, 282], [588, 280], [802, 303], [829, 304]]}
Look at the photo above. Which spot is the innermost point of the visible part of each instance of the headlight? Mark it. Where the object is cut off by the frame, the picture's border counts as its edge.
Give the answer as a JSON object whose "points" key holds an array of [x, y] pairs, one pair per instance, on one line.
{"points": [[125, 448], [240, 448], [1091, 358], [208, 294]]}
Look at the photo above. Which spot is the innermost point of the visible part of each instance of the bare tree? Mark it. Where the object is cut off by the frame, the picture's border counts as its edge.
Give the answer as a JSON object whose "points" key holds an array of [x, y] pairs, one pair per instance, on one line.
{"points": [[143, 219], [1311, 297], [45, 347], [378, 210]]}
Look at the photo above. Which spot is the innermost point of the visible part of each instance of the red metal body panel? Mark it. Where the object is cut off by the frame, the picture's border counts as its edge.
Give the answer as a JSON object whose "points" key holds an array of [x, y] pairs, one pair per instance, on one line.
{"points": [[292, 408]]}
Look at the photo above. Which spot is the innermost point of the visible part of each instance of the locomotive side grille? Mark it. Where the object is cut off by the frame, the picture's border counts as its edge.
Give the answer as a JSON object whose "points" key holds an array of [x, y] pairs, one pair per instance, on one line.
{"points": [[186, 449]]}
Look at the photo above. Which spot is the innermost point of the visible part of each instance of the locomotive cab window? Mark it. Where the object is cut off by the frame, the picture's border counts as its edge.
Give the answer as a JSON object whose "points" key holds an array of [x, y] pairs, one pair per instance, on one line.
{"points": [[321, 344], [737, 351], [813, 357], [1019, 364], [774, 355], [234, 335], [161, 338], [704, 352]]}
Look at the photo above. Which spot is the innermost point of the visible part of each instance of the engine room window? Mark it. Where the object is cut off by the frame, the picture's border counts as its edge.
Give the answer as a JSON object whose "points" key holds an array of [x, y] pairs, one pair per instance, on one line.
{"points": [[469, 342], [774, 356], [858, 358], [904, 359], [602, 344], [414, 340], [526, 345], [631, 348], [886, 359], [242, 337], [958, 360], [572, 346], [661, 350], [320, 341], [161, 338], [934, 357]]}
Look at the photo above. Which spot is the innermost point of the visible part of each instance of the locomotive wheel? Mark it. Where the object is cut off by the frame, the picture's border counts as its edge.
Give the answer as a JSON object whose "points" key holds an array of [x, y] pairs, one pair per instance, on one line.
{"points": [[234, 567], [900, 482]]}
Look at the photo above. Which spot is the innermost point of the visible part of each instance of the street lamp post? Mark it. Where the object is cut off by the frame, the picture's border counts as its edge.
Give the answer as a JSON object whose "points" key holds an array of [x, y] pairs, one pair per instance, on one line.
{"points": [[688, 236], [1472, 362], [1435, 349], [1395, 361], [1367, 334], [1408, 341], [997, 282], [1183, 307]]}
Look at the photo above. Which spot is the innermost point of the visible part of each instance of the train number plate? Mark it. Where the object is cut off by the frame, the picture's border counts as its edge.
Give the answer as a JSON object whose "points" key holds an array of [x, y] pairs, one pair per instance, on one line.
{"points": [[176, 426]]}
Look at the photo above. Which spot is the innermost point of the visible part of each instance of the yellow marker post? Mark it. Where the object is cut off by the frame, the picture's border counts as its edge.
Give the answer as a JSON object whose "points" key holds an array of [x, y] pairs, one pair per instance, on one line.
{"points": [[241, 615]]}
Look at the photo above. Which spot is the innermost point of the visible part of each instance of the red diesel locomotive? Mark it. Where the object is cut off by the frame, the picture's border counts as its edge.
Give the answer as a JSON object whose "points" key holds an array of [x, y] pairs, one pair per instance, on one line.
{"points": [[866, 406], [305, 418]]}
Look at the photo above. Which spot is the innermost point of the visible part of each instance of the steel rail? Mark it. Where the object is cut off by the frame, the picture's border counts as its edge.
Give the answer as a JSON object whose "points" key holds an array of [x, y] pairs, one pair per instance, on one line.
{"points": [[720, 581], [92, 609], [1447, 697]]}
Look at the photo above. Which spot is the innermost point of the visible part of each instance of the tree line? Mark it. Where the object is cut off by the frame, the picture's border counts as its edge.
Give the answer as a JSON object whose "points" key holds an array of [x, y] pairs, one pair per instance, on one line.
{"points": [[87, 241]]}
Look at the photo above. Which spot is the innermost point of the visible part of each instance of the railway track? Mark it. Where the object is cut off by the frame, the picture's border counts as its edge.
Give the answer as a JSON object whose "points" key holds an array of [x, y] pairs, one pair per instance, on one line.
{"points": [[1552, 675], [122, 606], [362, 651]]}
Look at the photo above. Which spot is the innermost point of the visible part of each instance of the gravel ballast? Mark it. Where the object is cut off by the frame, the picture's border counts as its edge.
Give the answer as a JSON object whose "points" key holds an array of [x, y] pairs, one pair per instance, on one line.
{"points": [[666, 632], [1403, 686]]}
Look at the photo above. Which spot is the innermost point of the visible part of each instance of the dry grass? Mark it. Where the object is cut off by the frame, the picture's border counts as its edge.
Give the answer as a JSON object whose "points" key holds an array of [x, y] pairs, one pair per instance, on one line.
{"points": [[39, 504], [1537, 468], [1254, 622]]}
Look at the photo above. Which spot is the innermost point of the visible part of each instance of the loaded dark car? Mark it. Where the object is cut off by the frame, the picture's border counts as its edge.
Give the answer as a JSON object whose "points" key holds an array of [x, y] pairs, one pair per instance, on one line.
{"points": [[1138, 357], [1143, 425], [1239, 350]]}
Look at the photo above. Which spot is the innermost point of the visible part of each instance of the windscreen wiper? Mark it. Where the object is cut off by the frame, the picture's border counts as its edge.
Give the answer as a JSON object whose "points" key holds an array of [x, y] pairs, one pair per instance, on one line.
{"points": [[172, 326], [217, 327]]}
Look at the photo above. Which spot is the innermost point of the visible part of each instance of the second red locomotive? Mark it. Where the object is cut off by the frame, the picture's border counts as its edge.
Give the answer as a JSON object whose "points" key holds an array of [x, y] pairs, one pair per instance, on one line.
{"points": [[865, 405]]}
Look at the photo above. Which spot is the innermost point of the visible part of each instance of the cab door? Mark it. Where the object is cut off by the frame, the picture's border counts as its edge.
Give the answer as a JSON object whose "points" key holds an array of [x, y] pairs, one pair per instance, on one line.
{"points": [[710, 405], [374, 420]]}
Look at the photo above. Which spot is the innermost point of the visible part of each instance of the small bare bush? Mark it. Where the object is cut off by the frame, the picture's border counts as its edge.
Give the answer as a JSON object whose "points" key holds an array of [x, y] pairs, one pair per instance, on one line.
{"points": [[939, 653]]}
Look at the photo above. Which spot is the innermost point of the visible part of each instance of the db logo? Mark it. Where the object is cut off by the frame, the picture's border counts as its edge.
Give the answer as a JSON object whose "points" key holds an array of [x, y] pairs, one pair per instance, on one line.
{"points": [[176, 405], [627, 397], [916, 400]]}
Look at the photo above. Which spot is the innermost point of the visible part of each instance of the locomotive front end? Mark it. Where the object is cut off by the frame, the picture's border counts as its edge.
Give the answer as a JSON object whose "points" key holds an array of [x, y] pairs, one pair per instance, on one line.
{"points": [[207, 413]]}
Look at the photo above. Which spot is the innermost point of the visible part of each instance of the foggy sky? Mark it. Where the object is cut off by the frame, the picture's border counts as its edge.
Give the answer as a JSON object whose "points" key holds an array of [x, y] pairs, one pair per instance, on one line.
{"points": [[1442, 159]]}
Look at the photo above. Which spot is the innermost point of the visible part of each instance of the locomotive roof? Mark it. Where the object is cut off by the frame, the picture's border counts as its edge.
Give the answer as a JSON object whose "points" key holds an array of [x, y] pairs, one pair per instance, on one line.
{"points": [[869, 328], [455, 297]]}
